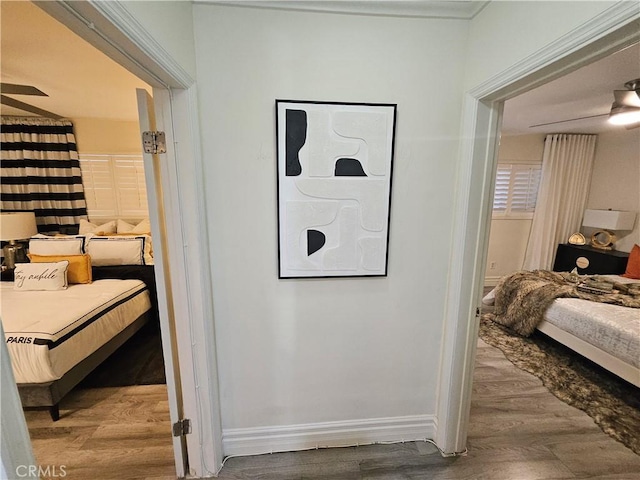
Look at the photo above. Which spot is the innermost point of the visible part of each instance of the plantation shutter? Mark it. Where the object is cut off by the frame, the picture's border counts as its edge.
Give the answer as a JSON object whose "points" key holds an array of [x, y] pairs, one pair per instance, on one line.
{"points": [[114, 186], [516, 190]]}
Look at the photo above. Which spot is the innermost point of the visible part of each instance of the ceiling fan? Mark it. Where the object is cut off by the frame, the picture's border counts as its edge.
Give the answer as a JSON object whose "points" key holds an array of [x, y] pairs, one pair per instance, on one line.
{"points": [[625, 109], [13, 89]]}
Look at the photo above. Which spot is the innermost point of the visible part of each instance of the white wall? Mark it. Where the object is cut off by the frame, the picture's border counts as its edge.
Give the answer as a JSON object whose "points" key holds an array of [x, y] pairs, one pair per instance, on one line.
{"points": [[96, 135], [509, 236], [505, 33], [615, 182], [305, 351], [171, 24]]}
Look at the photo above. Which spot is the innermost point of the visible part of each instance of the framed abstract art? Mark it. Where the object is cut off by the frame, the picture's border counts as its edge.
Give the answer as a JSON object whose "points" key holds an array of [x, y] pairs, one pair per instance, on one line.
{"points": [[334, 188]]}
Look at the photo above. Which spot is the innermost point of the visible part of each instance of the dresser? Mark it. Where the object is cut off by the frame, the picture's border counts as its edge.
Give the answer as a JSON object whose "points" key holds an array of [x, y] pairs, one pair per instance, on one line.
{"points": [[589, 260]]}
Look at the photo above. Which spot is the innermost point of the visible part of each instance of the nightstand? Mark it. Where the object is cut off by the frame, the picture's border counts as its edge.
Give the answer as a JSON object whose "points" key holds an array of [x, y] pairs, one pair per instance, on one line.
{"points": [[589, 260]]}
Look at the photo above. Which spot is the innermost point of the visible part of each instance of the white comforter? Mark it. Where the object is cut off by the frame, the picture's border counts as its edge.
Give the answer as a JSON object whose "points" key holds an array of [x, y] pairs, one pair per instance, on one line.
{"points": [[612, 328], [49, 332]]}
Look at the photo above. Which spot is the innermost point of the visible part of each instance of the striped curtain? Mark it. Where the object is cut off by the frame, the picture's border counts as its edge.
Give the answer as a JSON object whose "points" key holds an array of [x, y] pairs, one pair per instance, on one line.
{"points": [[40, 172]]}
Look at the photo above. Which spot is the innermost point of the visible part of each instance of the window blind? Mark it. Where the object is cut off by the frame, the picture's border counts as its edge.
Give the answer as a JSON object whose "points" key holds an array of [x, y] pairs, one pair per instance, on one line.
{"points": [[114, 185], [516, 190]]}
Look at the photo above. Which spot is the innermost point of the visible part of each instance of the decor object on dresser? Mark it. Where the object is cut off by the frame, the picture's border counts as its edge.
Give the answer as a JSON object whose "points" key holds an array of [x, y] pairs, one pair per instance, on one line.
{"points": [[16, 226], [589, 261], [607, 221], [577, 239], [334, 187]]}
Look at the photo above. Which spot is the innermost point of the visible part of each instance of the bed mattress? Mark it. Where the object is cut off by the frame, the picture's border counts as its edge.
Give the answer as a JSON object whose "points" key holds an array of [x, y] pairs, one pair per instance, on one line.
{"points": [[49, 332]]}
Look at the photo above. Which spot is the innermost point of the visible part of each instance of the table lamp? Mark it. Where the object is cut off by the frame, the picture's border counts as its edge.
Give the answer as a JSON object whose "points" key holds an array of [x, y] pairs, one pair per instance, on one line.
{"points": [[607, 221], [16, 226]]}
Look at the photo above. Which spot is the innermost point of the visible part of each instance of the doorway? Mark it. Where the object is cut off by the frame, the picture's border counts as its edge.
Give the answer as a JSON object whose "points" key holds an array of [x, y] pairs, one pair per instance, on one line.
{"points": [[481, 128]]}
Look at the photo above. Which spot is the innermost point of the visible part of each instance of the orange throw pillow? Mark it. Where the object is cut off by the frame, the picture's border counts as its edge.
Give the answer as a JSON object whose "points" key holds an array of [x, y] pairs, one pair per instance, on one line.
{"points": [[633, 265], [79, 266]]}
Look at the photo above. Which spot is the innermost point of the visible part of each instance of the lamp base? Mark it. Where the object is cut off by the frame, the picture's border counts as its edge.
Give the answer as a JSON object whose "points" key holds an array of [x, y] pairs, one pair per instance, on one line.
{"points": [[13, 253], [603, 240]]}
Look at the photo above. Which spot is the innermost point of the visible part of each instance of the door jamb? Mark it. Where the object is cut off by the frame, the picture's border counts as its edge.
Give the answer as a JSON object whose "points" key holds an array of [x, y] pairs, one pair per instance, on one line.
{"points": [[612, 30], [113, 30]]}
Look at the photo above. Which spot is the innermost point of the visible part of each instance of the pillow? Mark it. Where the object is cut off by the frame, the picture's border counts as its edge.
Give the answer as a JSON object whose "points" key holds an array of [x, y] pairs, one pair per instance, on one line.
{"points": [[125, 250], [143, 227], [105, 228], [60, 245], [41, 276], [79, 265], [633, 264]]}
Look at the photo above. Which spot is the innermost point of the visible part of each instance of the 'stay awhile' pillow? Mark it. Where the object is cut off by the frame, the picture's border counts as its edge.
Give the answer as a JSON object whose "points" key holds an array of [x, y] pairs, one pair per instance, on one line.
{"points": [[125, 250], [41, 276]]}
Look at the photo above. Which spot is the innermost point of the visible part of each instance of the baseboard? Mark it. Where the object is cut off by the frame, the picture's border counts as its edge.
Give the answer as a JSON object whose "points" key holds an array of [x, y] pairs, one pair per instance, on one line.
{"points": [[253, 441], [491, 281]]}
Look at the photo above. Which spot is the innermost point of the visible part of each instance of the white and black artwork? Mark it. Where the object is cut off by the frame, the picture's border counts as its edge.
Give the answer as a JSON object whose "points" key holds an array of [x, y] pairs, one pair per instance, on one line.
{"points": [[334, 188]]}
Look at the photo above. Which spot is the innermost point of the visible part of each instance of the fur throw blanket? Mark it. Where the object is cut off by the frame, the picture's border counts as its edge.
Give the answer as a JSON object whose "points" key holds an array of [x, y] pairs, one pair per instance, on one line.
{"points": [[522, 298]]}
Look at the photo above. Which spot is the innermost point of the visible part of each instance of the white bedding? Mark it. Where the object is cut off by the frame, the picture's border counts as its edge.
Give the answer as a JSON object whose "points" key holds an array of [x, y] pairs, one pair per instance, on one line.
{"points": [[49, 332], [611, 328]]}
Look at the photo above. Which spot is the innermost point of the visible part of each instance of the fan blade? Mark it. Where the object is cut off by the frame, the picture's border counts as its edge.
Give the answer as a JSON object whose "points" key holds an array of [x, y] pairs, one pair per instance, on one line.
{"points": [[627, 98], [12, 102], [569, 120], [14, 89]]}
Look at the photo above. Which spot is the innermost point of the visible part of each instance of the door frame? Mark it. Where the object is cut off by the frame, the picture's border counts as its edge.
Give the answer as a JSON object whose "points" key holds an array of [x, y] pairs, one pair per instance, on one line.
{"points": [[612, 30], [110, 28]]}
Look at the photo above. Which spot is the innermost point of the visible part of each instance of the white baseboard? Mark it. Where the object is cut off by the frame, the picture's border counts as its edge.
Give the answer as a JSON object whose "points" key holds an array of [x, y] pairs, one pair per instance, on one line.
{"points": [[254, 441], [491, 281]]}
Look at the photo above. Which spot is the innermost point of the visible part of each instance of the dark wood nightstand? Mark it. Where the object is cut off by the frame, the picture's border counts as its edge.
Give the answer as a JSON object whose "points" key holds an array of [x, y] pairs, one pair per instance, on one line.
{"points": [[7, 276], [589, 260]]}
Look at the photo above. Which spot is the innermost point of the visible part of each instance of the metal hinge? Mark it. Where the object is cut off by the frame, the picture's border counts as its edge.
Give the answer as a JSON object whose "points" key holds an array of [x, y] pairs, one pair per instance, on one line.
{"points": [[154, 142], [182, 427]]}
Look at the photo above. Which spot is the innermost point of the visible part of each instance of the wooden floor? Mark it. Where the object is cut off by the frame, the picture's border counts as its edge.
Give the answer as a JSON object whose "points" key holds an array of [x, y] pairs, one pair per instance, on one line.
{"points": [[518, 431], [118, 433]]}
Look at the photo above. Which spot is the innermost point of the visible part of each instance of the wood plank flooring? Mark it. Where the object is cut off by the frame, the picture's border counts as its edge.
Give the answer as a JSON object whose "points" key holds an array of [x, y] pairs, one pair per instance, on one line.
{"points": [[517, 431], [107, 433]]}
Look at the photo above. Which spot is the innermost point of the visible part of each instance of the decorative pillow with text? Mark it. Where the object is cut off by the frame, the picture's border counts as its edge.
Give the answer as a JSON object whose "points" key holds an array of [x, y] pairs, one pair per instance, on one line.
{"points": [[41, 276]]}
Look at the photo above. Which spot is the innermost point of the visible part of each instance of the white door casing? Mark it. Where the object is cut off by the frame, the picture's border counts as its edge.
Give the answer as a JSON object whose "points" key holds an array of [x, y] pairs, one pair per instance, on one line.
{"points": [[612, 30], [152, 172]]}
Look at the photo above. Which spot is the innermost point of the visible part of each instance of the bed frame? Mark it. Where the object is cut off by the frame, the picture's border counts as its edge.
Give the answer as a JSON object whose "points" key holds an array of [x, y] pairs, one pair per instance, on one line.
{"points": [[628, 372], [49, 394]]}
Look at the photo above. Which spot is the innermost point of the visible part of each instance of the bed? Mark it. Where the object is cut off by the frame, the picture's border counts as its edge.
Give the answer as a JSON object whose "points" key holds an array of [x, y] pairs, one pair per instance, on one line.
{"points": [[607, 334], [59, 328], [84, 324]]}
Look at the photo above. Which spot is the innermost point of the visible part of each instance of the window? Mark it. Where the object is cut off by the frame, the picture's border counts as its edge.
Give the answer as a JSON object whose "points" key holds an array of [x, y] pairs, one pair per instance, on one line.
{"points": [[114, 186], [516, 190]]}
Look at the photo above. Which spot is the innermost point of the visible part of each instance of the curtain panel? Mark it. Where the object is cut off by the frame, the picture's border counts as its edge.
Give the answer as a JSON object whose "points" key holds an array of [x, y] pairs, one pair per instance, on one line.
{"points": [[40, 172], [567, 164]]}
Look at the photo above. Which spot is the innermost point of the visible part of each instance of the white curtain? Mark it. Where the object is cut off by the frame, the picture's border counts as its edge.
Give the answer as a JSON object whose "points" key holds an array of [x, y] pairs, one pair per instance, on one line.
{"points": [[567, 164]]}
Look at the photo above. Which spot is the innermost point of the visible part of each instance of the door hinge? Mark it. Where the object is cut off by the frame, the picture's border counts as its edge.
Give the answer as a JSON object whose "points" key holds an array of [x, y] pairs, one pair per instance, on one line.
{"points": [[182, 427], [154, 142]]}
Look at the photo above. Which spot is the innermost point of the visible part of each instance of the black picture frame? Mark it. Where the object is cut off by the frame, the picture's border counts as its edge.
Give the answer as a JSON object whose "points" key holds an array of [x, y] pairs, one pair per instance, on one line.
{"points": [[335, 169]]}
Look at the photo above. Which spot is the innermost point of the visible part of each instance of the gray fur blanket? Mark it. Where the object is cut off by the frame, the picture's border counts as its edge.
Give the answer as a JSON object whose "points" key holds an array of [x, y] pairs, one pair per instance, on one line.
{"points": [[522, 298]]}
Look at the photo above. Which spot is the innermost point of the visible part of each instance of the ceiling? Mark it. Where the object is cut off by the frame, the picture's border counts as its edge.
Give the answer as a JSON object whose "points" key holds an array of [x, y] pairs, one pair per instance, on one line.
{"points": [[585, 92], [81, 81], [84, 83]]}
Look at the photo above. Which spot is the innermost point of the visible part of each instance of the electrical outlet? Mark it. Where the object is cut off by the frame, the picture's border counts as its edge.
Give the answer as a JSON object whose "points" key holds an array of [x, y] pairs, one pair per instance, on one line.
{"points": [[492, 266]]}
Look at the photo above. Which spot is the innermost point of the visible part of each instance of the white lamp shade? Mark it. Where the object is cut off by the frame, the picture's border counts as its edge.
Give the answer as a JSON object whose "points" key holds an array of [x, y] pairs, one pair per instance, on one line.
{"points": [[17, 225], [609, 219]]}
